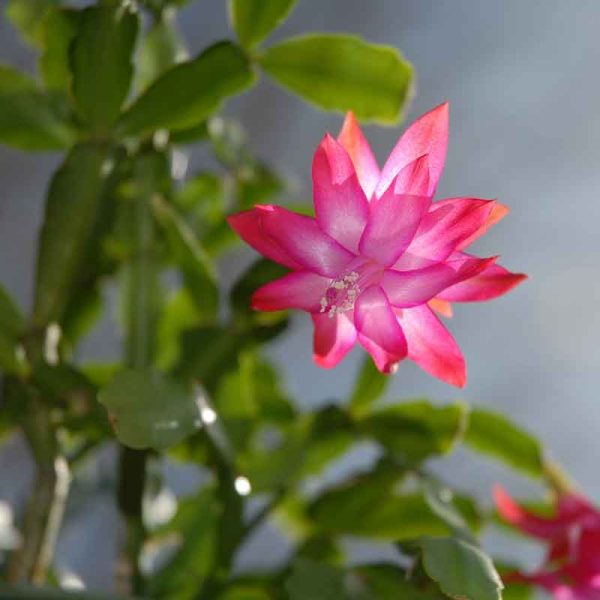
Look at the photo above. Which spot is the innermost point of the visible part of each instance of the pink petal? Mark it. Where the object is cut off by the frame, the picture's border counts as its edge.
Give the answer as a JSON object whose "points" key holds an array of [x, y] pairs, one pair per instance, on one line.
{"points": [[427, 135], [492, 282], [441, 307], [406, 289], [302, 239], [352, 139], [301, 289], [536, 526], [341, 206], [431, 346], [444, 228], [498, 213], [378, 329], [415, 178], [247, 225], [392, 224], [333, 338]]}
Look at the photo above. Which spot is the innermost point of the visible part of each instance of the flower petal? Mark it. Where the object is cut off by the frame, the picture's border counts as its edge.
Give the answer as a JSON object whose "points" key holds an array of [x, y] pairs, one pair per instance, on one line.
{"points": [[302, 239], [378, 329], [341, 206], [352, 139], [499, 211], [406, 289], [427, 135], [415, 178], [441, 307], [540, 527], [393, 222], [300, 289], [490, 283], [247, 225], [431, 346], [444, 228], [333, 338]]}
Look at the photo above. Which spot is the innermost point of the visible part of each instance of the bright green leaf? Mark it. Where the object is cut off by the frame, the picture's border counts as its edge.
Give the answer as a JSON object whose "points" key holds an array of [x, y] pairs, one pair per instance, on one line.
{"points": [[59, 29], [149, 410], [493, 434], [461, 569], [253, 20], [197, 270], [101, 56], [71, 208], [369, 387], [416, 430], [30, 119], [188, 93], [342, 72], [27, 16]]}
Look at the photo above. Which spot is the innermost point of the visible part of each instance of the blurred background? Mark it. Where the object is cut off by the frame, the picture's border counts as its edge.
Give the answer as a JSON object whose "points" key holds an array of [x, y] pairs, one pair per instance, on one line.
{"points": [[525, 128]]}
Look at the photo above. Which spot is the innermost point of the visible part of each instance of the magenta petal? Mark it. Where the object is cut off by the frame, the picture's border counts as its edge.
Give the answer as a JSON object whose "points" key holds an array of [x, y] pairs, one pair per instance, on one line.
{"points": [[352, 139], [392, 225], [301, 289], [378, 329], [431, 346], [247, 225], [341, 206], [444, 228], [411, 288], [302, 239], [333, 338], [490, 283], [427, 135], [414, 179]]}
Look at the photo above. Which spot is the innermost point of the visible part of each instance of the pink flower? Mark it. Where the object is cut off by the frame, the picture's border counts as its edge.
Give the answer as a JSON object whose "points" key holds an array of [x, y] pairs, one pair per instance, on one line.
{"points": [[379, 256], [571, 570]]}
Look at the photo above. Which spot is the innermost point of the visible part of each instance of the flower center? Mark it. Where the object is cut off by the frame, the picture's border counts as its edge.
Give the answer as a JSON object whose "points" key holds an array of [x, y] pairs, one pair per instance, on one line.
{"points": [[343, 291]]}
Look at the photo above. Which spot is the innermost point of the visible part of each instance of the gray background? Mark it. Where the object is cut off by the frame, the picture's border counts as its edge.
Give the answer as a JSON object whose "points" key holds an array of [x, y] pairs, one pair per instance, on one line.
{"points": [[522, 80]]}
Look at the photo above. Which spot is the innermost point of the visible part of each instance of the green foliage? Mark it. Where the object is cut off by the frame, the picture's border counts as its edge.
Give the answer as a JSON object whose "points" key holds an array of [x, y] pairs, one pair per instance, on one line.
{"points": [[497, 436], [253, 20], [149, 410], [190, 91], [30, 119], [461, 569], [370, 386], [342, 72], [12, 326], [27, 16], [101, 64]]}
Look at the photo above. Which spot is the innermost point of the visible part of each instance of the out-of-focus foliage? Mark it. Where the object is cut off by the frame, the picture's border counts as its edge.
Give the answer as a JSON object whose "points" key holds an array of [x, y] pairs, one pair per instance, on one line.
{"points": [[117, 92]]}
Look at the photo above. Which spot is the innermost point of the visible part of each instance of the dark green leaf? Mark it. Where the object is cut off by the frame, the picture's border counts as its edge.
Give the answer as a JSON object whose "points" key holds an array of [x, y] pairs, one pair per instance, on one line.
{"points": [[21, 592], [29, 119], [59, 29], [261, 272], [149, 410], [315, 580], [253, 20], [343, 72], [461, 569], [491, 433], [369, 387], [101, 63], [189, 92], [27, 16], [416, 430], [12, 326], [196, 267], [73, 200]]}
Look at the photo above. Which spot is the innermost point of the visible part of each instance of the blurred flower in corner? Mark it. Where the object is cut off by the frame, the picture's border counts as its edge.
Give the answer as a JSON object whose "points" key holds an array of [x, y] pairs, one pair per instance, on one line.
{"points": [[571, 570], [380, 258]]}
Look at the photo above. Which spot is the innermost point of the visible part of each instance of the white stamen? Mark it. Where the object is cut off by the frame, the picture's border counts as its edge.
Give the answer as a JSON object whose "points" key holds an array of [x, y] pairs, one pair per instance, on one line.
{"points": [[341, 302]]}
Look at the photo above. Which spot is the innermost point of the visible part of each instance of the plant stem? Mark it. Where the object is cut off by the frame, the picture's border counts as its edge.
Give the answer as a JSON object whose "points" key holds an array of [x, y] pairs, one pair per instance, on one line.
{"points": [[44, 513]]}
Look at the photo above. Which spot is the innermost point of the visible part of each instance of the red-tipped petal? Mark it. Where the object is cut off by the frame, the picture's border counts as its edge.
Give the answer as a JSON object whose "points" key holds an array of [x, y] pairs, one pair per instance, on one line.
{"points": [[352, 139], [427, 135], [341, 206], [406, 289], [247, 225], [378, 329], [302, 290], [431, 346], [334, 337], [490, 283], [301, 238], [415, 178], [499, 211]]}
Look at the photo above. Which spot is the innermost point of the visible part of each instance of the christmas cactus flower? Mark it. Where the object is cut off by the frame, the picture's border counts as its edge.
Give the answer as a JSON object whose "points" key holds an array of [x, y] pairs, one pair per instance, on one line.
{"points": [[571, 570], [380, 258]]}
